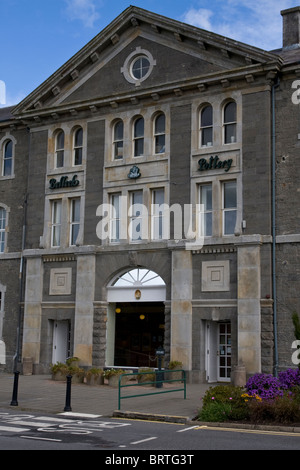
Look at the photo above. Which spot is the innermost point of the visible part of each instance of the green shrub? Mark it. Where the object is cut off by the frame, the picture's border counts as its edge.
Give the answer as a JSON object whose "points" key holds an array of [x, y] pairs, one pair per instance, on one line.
{"points": [[224, 401], [215, 412], [223, 393]]}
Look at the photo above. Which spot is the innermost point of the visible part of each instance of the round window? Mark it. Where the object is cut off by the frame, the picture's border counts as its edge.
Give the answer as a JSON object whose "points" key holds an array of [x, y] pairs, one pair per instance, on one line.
{"points": [[140, 67]]}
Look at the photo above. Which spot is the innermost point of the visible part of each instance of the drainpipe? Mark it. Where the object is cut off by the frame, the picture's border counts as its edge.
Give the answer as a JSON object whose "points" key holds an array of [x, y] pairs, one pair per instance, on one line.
{"points": [[16, 357], [274, 86]]}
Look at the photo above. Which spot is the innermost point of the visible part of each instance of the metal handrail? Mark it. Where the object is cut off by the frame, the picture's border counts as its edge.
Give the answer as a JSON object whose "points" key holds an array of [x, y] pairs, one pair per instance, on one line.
{"points": [[182, 380]]}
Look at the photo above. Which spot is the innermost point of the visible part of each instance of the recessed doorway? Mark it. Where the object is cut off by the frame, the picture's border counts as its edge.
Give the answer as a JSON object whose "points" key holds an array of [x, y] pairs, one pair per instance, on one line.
{"points": [[139, 331], [135, 319]]}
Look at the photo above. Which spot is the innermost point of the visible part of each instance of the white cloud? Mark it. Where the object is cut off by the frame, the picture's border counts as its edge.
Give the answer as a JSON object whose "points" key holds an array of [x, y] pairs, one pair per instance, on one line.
{"points": [[199, 18], [82, 10], [256, 23], [11, 100]]}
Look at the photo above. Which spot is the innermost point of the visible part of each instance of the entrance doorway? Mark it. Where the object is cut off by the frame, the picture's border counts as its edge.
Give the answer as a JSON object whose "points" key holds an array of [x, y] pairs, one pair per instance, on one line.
{"points": [[61, 341], [139, 331], [136, 318], [218, 352]]}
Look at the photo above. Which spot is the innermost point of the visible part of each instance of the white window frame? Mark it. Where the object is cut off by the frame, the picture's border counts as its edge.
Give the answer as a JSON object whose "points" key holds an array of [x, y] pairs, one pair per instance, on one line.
{"points": [[136, 138], [157, 134], [226, 210], [202, 226], [157, 215], [230, 123], [74, 224], [135, 216], [3, 143], [3, 231], [59, 149], [115, 218], [77, 147], [203, 128], [9, 159], [117, 141], [56, 224]]}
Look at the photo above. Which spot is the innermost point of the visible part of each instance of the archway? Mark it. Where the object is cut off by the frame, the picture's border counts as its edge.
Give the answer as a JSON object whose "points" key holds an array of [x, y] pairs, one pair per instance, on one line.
{"points": [[136, 318]]}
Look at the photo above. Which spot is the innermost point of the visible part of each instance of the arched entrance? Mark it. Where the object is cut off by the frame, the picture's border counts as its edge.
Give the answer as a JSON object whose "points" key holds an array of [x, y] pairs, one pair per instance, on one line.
{"points": [[136, 318]]}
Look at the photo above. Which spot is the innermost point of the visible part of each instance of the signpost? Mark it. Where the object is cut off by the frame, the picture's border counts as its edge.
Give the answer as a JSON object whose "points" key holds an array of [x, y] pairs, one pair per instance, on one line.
{"points": [[160, 352]]}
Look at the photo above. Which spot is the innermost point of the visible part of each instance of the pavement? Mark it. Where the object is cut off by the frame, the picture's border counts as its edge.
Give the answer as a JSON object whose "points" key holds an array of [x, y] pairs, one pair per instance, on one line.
{"points": [[40, 393]]}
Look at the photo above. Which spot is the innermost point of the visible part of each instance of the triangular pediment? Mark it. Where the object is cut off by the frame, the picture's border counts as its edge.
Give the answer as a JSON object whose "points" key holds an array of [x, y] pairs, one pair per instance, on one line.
{"points": [[179, 55]]}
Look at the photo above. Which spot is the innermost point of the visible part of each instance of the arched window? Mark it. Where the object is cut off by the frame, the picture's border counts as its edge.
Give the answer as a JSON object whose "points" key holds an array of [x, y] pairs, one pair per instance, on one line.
{"points": [[138, 137], [139, 277], [206, 126], [78, 145], [3, 223], [137, 285], [230, 123], [60, 149], [7, 158], [160, 133], [118, 136]]}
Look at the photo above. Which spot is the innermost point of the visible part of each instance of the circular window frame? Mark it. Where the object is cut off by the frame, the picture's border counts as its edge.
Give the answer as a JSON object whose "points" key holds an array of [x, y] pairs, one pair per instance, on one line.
{"points": [[127, 71]]}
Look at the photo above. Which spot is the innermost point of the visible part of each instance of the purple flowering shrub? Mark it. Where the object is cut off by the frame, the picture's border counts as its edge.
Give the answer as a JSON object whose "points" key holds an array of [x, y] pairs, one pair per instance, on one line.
{"points": [[265, 386], [289, 378]]}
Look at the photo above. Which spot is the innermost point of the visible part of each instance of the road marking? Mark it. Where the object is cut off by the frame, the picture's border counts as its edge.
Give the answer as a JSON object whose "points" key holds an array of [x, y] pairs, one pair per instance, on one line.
{"points": [[33, 424], [143, 440], [55, 420], [11, 429], [41, 438], [80, 415], [188, 429]]}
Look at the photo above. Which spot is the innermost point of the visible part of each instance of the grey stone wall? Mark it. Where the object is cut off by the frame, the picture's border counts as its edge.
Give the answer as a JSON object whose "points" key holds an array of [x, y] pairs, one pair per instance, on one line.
{"points": [[36, 187], [287, 218], [94, 179], [13, 195], [257, 162]]}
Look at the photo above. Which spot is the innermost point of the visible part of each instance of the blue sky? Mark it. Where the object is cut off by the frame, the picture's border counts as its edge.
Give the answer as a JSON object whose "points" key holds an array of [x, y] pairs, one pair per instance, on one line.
{"points": [[38, 36]]}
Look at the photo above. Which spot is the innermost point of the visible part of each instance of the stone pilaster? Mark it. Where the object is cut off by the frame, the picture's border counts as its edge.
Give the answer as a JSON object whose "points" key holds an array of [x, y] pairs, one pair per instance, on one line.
{"points": [[99, 334], [84, 313], [249, 311], [181, 308], [33, 309]]}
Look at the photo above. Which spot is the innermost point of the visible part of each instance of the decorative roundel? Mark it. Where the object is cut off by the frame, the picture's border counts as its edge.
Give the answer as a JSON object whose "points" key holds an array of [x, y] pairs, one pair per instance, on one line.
{"points": [[138, 66]]}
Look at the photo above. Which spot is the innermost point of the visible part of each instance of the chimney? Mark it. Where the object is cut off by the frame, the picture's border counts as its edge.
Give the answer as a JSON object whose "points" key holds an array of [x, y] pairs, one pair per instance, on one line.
{"points": [[291, 28]]}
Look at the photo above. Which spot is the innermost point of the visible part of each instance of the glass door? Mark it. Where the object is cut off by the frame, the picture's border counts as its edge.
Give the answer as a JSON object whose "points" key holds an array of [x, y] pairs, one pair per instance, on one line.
{"points": [[224, 352]]}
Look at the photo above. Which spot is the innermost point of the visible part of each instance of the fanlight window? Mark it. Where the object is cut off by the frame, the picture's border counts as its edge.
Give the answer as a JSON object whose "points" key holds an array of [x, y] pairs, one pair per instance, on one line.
{"points": [[139, 278]]}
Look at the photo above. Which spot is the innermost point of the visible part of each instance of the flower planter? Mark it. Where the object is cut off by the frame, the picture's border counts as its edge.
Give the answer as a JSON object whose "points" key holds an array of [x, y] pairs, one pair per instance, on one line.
{"points": [[77, 378], [145, 376], [94, 379], [174, 375], [113, 381], [59, 376]]}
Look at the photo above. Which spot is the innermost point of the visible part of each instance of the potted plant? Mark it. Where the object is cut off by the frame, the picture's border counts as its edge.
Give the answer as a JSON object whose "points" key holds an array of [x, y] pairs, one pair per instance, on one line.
{"points": [[72, 361], [77, 374], [145, 375], [176, 367], [59, 371], [94, 376], [112, 376]]}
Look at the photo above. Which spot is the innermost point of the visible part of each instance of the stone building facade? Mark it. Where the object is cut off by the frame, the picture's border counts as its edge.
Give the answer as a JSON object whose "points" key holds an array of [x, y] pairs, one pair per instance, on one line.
{"points": [[148, 198]]}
